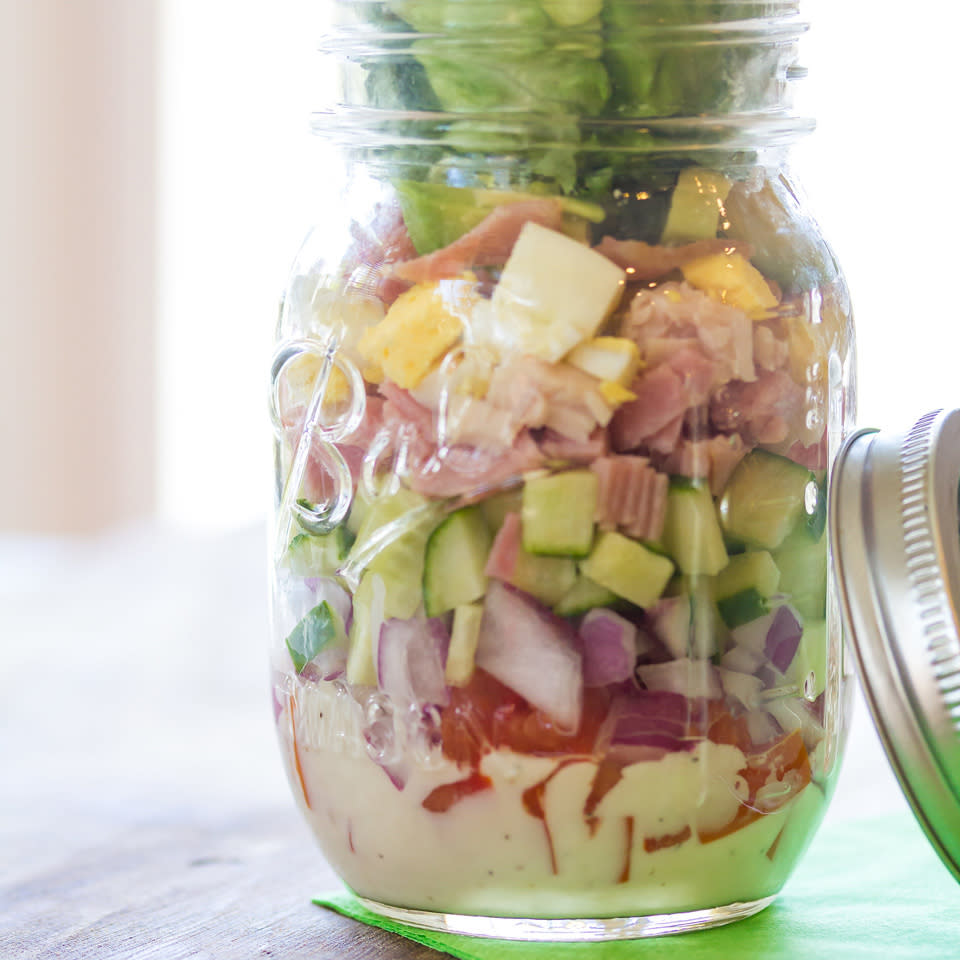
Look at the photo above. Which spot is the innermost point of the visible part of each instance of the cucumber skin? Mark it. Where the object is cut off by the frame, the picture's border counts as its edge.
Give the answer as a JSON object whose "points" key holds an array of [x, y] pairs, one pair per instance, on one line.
{"points": [[691, 534], [764, 499], [454, 559], [584, 595], [558, 513]]}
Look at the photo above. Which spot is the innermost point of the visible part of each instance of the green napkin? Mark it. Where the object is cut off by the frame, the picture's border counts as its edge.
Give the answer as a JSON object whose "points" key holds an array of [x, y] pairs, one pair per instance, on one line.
{"points": [[866, 889]]}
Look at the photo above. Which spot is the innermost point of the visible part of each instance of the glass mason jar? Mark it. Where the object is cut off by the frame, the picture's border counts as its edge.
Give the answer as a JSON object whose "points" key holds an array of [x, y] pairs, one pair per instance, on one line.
{"points": [[556, 391]]}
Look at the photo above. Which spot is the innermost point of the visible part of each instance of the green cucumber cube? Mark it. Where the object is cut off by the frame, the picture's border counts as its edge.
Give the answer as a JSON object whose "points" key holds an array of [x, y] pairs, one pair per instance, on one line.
{"points": [[628, 569], [764, 499], [808, 669], [752, 569], [546, 578], [743, 607], [803, 574], [557, 513], [584, 595], [455, 555], [691, 533]]}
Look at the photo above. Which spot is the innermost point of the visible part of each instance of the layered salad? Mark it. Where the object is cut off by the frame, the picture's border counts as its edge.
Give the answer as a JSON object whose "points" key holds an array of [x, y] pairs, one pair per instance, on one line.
{"points": [[563, 647]]}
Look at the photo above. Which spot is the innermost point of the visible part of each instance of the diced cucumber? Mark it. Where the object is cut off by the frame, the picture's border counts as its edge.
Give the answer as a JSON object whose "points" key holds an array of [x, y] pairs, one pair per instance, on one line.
{"points": [[463, 644], [743, 607], [689, 625], [627, 568], [391, 542], [752, 569], [317, 556], [496, 508], [695, 205], [765, 498], [455, 555], [557, 513], [546, 578], [803, 573], [365, 630], [810, 660], [691, 533], [358, 510], [584, 595]]}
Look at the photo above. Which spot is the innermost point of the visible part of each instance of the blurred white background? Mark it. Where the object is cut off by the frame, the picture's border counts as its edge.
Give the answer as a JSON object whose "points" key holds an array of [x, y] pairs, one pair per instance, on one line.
{"points": [[158, 175]]}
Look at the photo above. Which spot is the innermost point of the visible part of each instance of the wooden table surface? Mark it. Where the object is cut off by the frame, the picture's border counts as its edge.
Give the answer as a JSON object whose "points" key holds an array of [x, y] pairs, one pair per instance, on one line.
{"points": [[143, 809]]}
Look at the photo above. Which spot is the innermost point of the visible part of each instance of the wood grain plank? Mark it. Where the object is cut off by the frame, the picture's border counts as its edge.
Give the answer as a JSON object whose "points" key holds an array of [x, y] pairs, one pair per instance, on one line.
{"points": [[183, 891]]}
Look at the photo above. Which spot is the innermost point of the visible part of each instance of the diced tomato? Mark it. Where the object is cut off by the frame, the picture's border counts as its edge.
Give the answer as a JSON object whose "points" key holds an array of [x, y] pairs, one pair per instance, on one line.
{"points": [[486, 714], [784, 760], [442, 798], [652, 844]]}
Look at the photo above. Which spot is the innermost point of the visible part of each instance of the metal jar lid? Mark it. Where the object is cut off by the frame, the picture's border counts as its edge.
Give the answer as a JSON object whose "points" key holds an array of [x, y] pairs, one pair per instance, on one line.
{"points": [[895, 534]]}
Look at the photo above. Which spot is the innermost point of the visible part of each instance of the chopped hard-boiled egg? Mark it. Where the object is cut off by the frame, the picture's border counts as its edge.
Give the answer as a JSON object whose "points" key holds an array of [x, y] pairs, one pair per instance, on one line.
{"points": [[615, 393], [732, 279], [616, 359], [553, 293], [419, 328], [301, 374]]}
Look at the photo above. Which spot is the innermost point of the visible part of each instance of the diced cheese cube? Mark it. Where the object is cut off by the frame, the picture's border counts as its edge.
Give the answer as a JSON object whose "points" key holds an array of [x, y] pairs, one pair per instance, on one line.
{"points": [[616, 359], [419, 328], [553, 293], [732, 279]]}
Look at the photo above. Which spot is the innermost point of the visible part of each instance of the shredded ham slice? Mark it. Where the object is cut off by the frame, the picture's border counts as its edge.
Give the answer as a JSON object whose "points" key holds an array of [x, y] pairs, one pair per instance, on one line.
{"points": [[662, 319], [487, 244], [410, 430], [647, 262], [384, 242], [555, 446], [631, 496], [713, 460], [769, 351], [762, 411]]}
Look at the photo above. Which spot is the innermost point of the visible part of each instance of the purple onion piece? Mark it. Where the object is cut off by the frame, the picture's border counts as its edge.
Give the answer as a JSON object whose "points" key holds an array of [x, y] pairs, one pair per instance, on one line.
{"points": [[783, 637], [609, 648], [690, 678]]}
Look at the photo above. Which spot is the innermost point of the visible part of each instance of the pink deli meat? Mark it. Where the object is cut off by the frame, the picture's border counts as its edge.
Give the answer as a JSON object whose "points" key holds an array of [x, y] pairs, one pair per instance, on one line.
{"points": [[487, 244], [713, 460], [456, 470], [645, 262], [375, 248], [762, 411], [631, 496]]}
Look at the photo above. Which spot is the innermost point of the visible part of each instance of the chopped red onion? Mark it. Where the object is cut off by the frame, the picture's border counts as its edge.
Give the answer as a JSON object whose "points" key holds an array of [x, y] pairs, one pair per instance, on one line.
{"points": [[783, 637], [795, 714], [653, 718], [411, 658], [753, 634], [744, 687], [691, 678], [533, 652], [742, 659], [609, 648], [762, 727], [670, 618]]}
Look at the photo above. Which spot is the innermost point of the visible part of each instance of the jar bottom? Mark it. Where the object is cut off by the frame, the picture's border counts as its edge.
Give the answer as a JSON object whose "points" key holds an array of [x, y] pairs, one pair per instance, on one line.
{"points": [[569, 930]]}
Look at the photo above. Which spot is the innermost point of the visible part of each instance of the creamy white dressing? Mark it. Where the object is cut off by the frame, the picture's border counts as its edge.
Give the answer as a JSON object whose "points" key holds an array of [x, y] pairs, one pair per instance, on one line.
{"points": [[488, 854]]}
